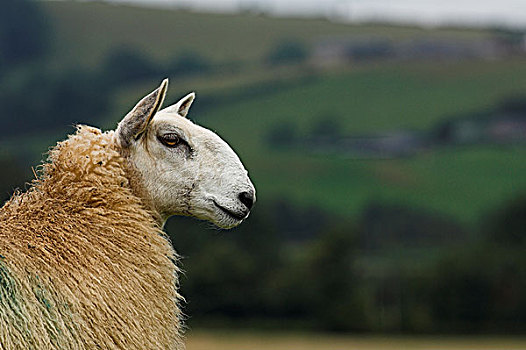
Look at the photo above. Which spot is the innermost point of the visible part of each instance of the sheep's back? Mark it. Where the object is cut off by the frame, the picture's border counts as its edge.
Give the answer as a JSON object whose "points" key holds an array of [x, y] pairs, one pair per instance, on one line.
{"points": [[95, 278]]}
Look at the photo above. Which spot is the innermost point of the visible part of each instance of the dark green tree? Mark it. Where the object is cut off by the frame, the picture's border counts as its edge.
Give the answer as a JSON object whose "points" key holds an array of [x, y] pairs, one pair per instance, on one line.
{"points": [[189, 63], [507, 226], [282, 135], [24, 32], [12, 177], [288, 52], [127, 65]]}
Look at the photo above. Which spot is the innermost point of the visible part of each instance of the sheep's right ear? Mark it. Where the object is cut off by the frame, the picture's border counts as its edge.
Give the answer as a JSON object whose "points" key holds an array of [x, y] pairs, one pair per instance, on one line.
{"points": [[182, 106], [136, 121]]}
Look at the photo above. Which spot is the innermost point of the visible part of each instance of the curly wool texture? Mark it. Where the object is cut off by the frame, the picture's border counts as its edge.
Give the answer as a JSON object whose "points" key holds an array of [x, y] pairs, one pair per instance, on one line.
{"points": [[83, 263]]}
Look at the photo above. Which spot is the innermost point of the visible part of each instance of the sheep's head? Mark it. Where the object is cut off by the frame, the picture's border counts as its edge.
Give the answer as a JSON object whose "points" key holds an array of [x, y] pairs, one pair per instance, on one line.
{"points": [[181, 168]]}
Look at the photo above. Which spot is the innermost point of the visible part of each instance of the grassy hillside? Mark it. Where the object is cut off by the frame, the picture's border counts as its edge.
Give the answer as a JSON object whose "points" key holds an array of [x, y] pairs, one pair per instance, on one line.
{"points": [[365, 98], [232, 341], [87, 31], [463, 183]]}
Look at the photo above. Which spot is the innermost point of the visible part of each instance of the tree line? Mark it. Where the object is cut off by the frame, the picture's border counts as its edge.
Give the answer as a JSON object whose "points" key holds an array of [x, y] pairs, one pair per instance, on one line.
{"points": [[305, 268]]}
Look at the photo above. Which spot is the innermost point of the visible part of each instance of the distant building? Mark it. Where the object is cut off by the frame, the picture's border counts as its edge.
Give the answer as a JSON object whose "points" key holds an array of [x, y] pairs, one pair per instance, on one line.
{"points": [[393, 144], [334, 52], [346, 51], [450, 49], [497, 128], [507, 129]]}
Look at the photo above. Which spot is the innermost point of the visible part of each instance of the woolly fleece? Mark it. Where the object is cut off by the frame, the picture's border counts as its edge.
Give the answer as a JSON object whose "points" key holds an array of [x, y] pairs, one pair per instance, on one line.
{"points": [[84, 264]]}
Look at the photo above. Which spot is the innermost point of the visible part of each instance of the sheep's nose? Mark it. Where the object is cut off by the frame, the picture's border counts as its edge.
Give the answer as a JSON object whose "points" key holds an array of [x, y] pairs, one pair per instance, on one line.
{"points": [[247, 198]]}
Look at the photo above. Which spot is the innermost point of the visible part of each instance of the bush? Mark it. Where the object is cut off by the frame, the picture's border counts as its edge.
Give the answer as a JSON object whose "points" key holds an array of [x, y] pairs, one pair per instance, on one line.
{"points": [[24, 32], [507, 227], [61, 100], [288, 52], [188, 64], [282, 135], [127, 65], [327, 128], [481, 289], [12, 177]]}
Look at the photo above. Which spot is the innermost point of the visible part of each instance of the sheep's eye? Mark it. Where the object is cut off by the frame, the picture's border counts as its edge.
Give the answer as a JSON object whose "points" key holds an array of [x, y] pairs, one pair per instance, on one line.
{"points": [[170, 140]]}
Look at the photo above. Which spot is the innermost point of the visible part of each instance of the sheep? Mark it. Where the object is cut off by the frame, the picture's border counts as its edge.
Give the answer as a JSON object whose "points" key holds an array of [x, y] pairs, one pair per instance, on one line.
{"points": [[84, 263]]}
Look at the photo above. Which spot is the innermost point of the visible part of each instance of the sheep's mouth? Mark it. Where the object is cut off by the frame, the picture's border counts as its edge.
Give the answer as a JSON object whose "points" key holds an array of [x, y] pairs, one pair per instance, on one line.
{"points": [[230, 213]]}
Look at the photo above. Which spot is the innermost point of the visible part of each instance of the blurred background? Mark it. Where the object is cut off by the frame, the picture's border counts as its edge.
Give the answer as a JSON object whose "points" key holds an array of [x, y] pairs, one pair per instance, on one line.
{"points": [[386, 140]]}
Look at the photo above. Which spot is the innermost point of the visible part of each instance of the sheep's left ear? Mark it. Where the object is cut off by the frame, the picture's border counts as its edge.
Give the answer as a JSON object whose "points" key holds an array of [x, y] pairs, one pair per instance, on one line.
{"points": [[136, 121], [182, 106]]}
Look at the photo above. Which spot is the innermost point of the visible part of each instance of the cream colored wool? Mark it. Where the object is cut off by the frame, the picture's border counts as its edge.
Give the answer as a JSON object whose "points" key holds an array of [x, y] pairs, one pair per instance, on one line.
{"points": [[83, 263]]}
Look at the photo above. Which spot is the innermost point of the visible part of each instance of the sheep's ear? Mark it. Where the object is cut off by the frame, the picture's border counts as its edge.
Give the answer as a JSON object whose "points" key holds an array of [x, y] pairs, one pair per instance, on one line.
{"points": [[182, 106], [136, 121]]}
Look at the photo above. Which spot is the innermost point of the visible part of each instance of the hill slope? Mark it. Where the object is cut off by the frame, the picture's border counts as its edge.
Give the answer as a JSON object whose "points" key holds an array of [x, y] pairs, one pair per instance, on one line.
{"points": [[364, 99], [88, 31]]}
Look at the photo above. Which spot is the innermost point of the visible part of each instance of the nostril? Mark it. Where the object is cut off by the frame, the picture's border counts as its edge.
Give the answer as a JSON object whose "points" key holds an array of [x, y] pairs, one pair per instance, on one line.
{"points": [[247, 198]]}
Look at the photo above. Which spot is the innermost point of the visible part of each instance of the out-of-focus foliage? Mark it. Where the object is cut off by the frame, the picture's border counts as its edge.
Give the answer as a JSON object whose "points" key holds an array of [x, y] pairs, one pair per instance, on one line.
{"points": [[288, 52], [45, 100], [479, 288], [125, 66], [188, 64], [24, 32], [270, 271], [282, 135], [277, 271], [12, 177], [507, 227]]}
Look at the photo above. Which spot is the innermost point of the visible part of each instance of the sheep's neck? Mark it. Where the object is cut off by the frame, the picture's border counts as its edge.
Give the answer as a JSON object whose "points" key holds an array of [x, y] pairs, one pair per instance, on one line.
{"points": [[88, 170], [134, 179]]}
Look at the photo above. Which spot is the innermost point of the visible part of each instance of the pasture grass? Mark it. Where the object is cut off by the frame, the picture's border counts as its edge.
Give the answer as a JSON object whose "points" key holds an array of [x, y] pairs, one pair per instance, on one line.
{"points": [[86, 32], [377, 97], [232, 340], [463, 183], [364, 98]]}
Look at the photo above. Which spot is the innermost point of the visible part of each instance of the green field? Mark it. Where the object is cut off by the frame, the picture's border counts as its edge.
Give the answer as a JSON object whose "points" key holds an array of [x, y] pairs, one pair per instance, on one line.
{"points": [[464, 183], [90, 30], [365, 98], [230, 340]]}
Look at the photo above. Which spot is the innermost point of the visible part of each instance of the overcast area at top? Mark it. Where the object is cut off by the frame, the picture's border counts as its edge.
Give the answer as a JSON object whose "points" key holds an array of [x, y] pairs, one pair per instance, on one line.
{"points": [[508, 13]]}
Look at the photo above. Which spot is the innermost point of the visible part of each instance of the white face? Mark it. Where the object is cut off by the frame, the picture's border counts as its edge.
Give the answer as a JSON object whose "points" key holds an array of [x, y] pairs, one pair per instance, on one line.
{"points": [[186, 169]]}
